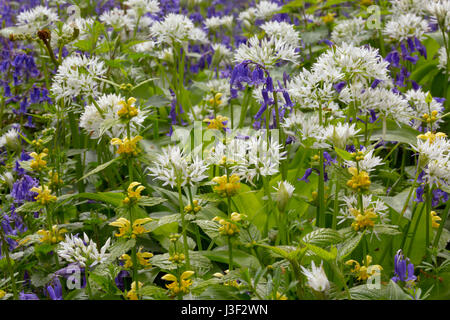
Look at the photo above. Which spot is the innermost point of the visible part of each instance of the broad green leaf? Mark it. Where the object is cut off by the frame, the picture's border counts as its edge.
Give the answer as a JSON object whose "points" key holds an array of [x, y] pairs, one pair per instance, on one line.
{"points": [[99, 168], [322, 253], [240, 258], [347, 247], [322, 237]]}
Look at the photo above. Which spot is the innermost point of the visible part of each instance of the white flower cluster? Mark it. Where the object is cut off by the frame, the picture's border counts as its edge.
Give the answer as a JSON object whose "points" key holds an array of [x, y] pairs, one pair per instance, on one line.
{"points": [[172, 166], [214, 23], [434, 158], [352, 31], [317, 278], [83, 251], [75, 77], [282, 30], [36, 19], [108, 122], [400, 7], [262, 11], [249, 158], [440, 10], [419, 106], [266, 52], [368, 163], [141, 7], [176, 28], [406, 26], [339, 135], [10, 139]]}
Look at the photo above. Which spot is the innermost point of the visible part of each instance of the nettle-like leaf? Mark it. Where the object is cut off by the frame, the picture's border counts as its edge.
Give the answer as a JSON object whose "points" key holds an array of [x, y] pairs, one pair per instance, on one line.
{"points": [[322, 253], [323, 237], [390, 291], [347, 247]]}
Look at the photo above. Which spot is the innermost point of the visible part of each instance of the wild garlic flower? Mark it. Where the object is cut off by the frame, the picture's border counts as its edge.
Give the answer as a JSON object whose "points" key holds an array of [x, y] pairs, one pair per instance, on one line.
{"points": [[374, 212], [284, 192], [406, 26], [214, 23], [385, 102], [355, 64], [10, 139], [37, 18], [317, 278], [352, 31], [117, 18], [440, 11], [222, 53], [266, 52], [442, 56], [302, 126], [75, 77], [368, 163], [339, 135], [108, 123], [266, 9], [248, 17], [83, 251], [174, 167], [174, 28], [141, 7], [401, 7], [283, 30]]}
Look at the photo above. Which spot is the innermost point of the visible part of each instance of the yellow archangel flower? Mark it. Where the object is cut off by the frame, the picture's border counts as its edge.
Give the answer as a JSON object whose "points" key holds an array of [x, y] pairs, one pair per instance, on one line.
{"points": [[435, 219], [228, 228], [53, 236], [54, 179], [128, 109], [2, 294], [179, 287], [217, 100], [37, 164], [189, 209], [44, 195], [329, 17], [280, 296], [366, 270], [227, 187], [219, 123], [363, 220], [143, 259], [431, 137], [127, 147], [132, 294], [360, 180], [125, 229], [133, 195]]}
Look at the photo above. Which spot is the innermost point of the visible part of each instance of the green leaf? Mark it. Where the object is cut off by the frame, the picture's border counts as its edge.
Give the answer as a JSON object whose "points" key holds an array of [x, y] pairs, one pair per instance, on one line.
{"points": [[99, 168], [154, 292], [150, 201], [114, 198], [240, 258], [322, 253], [343, 154], [347, 247], [387, 229], [322, 237], [394, 132], [29, 207]]}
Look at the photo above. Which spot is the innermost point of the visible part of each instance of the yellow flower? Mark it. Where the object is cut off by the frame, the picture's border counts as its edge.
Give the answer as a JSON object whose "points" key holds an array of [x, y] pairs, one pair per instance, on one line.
{"points": [[179, 287], [227, 187], [127, 147], [132, 294], [54, 179], [219, 123], [188, 208], [2, 294], [125, 229], [177, 258], [128, 111], [217, 100], [360, 179], [44, 195], [228, 228], [435, 219], [143, 259], [329, 17], [52, 237], [280, 296], [37, 164], [365, 271], [430, 136], [133, 195], [363, 220]]}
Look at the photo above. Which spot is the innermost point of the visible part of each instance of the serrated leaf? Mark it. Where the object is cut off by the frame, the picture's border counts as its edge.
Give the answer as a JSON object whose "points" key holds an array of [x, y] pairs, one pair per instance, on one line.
{"points": [[209, 227], [29, 207], [322, 237], [391, 230], [150, 201], [322, 253], [347, 247], [154, 292]]}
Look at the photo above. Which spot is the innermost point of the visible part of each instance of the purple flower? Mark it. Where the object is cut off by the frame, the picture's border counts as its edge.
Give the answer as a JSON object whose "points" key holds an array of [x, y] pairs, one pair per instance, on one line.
{"points": [[306, 175], [339, 86], [403, 269], [27, 296], [120, 279], [21, 189], [55, 292]]}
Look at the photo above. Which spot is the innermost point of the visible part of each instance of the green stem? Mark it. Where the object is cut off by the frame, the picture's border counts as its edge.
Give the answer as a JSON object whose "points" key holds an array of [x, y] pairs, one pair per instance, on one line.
{"points": [[230, 254], [183, 226]]}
